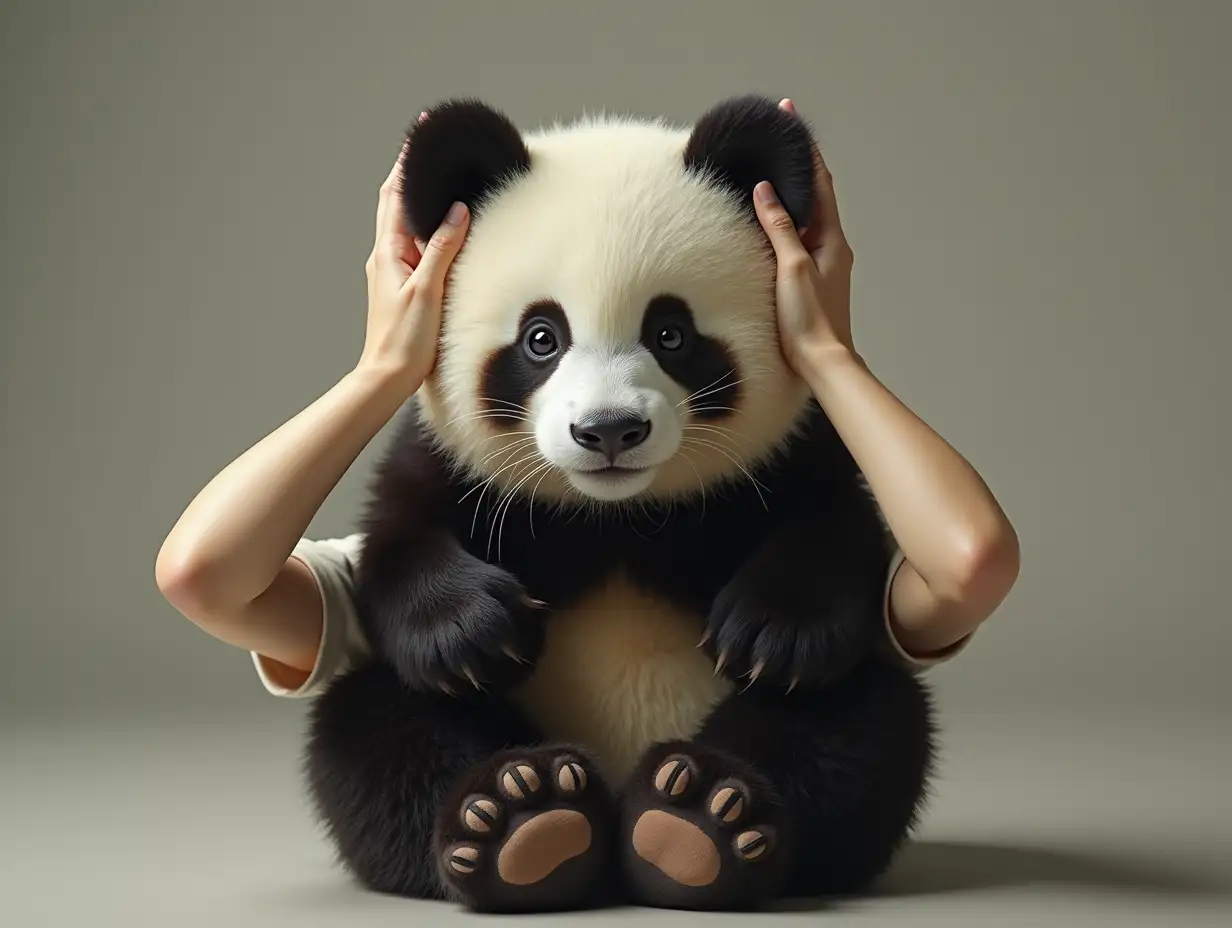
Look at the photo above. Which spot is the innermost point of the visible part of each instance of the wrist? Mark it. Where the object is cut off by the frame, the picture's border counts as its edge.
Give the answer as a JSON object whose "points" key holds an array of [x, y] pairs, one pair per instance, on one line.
{"points": [[384, 382], [821, 363]]}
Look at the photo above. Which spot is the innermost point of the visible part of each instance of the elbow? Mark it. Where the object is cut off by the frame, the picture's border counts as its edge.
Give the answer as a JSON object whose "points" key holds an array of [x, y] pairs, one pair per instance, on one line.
{"points": [[187, 582], [984, 571]]}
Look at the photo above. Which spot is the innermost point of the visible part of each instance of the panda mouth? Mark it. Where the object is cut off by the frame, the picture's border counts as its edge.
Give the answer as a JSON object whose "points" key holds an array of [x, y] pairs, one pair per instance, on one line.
{"points": [[614, 471], [611, 483]]}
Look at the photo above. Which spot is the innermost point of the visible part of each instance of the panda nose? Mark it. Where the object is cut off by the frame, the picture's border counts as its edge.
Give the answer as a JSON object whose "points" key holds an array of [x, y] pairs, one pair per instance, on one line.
{"points": [[610, 435]]}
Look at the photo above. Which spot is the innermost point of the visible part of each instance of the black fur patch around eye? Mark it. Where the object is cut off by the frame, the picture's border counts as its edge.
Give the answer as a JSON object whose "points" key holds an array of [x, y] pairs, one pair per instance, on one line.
{"points": [[512, 374], [699, 363]]}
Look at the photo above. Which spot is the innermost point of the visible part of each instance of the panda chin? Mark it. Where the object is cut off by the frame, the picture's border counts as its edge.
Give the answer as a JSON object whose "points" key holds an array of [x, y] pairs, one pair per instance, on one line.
{"points": [[612, 484]]}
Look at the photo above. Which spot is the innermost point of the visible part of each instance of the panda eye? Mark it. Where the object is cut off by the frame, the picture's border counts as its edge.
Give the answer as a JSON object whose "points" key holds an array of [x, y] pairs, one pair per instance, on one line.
{"points": [[671, 338], [541, 342]]}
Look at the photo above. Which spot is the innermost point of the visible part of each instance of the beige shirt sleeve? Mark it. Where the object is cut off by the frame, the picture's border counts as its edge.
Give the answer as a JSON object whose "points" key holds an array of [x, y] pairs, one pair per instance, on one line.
{"points": [[332, 563], [914, 660]]}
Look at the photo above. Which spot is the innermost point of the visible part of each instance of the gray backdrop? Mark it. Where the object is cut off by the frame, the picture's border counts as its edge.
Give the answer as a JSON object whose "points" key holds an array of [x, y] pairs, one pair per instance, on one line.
{"points": [[1037, 194]]}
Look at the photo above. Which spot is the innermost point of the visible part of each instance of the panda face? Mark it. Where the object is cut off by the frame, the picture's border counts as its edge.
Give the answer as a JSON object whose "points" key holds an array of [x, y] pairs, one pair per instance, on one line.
{"points": [[609, 330], [612, 413]]}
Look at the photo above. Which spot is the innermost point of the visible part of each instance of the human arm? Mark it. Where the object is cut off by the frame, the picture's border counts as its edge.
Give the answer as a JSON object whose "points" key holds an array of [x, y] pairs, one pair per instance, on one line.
{"points": [[960, 551], [226, 564], [961, 554]]}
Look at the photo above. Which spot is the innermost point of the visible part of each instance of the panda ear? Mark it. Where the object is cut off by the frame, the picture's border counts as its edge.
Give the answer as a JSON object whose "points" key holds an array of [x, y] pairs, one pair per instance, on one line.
{"points": [[463, 150], [744, 140]]}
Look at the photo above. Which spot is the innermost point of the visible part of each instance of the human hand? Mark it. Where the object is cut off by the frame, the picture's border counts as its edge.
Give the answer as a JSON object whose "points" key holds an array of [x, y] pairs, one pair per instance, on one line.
{"points": [[813, 284], [406, 283]]}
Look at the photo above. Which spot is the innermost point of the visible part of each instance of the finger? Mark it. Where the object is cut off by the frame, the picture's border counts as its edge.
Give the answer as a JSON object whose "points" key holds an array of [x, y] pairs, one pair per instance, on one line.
{"points": [[810, 234], [442, 248], [409, 252], [817, 222], [831, 232], [778, 224], [393, 252], [389, 192]]}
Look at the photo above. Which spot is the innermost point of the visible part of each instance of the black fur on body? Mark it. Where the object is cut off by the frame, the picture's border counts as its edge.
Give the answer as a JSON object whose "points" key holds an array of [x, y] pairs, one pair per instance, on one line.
{"points": [[828, 736], [790, 573]]}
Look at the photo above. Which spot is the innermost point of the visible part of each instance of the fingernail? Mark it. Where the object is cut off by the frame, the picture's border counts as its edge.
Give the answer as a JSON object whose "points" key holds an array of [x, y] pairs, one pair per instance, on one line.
{"points": [[456, 214], [765, 193]]}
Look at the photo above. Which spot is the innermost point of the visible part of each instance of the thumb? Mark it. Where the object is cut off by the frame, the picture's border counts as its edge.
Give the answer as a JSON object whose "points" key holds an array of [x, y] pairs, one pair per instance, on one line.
{"points": [[777, 222], [442, 248]]}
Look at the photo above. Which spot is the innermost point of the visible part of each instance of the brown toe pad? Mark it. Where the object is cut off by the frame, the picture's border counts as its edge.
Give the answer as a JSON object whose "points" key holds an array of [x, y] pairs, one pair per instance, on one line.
{"points": [[528, 830], [700, 830]]}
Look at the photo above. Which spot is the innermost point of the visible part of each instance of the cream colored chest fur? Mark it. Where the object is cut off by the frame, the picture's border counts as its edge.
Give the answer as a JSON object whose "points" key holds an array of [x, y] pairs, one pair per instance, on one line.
{"points": [[621, 670]]}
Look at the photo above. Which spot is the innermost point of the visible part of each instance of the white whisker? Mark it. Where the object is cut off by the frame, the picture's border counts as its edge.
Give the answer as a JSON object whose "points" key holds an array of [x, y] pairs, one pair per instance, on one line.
{"points": [[520, 443], [510, 453], [719, 430], [720, 389], [696, 393], [701, 484], [509, 500], [757, 487], [483, 487], [696, 409], [490, 399], [530, 511]]}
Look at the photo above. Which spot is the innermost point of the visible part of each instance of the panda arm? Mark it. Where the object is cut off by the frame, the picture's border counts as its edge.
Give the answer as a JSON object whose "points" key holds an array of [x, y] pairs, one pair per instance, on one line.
{"points": [[442, 617], [803, 610], [807, 603]]}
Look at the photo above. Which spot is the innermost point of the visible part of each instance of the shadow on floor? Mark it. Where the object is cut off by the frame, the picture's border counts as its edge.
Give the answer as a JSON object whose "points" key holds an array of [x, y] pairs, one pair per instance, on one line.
{"points": [[924, 868], [932, 868]]}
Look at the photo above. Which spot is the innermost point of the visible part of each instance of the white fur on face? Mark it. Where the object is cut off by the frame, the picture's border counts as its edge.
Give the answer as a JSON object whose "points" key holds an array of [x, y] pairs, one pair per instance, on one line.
{"points": [[606, 220], [592, 380]]}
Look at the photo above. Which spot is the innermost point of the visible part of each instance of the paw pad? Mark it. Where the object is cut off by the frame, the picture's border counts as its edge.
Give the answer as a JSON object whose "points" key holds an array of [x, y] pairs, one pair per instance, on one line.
{"points": [[463, 860], [751, 844], [532, 833], [696, 836], [480, 814], [571, 778], [727, 804], [674, 777], [520, 781]]}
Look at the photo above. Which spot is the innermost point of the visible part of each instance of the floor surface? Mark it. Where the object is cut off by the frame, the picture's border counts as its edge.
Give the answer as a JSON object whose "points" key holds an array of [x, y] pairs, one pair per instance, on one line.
{"points": [[1036, 820]]}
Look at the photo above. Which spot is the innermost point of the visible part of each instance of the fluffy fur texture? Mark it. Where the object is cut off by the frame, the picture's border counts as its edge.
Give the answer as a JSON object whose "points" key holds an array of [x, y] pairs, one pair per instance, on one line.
{"points": [[622, 580]]}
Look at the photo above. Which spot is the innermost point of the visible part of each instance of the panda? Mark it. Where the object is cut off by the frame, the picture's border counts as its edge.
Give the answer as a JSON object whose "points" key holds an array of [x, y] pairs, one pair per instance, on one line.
{"points": [[622, 582]]}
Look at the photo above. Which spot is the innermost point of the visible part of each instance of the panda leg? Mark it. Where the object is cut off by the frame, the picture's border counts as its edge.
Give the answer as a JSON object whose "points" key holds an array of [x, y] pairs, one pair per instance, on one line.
{"points": [[437, 797], [804, 794]]}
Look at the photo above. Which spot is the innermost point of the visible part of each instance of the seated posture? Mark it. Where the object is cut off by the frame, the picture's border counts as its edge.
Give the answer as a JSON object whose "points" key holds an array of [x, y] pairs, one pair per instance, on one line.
{"points": [[648, 570], [622, 581]]}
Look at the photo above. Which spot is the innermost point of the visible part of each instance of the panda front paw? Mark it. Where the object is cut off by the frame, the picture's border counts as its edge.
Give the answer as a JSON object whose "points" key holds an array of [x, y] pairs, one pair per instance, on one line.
{"points": [[462, 625], [779, 623]]}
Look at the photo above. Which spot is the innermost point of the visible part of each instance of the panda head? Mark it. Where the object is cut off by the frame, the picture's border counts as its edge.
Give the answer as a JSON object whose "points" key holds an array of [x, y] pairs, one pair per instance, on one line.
{"points": [[609, 330]]}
